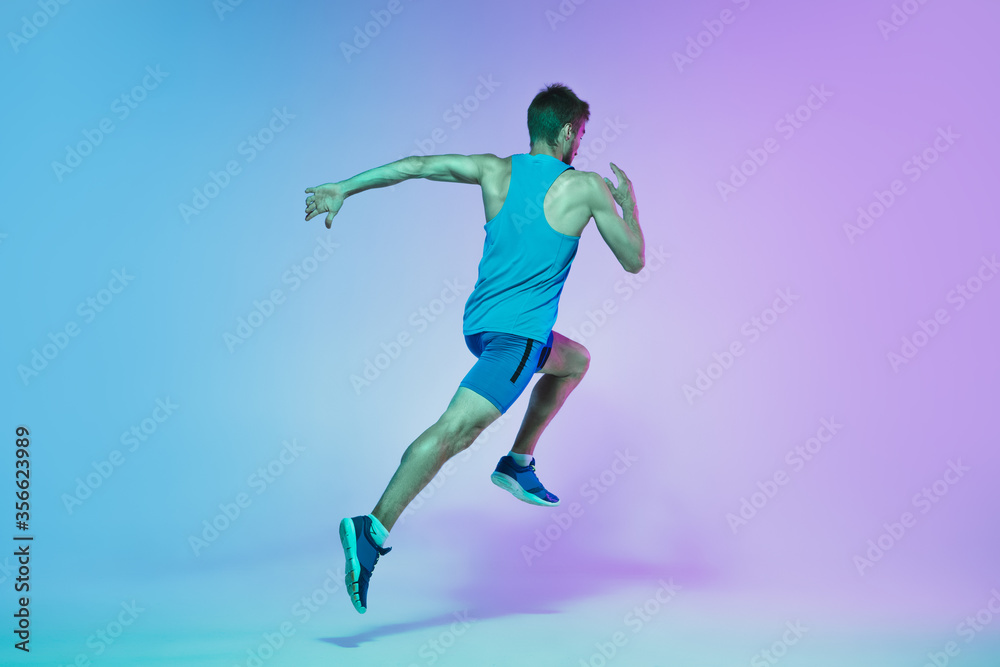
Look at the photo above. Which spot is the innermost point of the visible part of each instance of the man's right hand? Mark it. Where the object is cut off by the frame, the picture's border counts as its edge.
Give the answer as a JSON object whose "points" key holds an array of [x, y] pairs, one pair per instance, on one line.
{"points": [[327, 198], [623, 194]]}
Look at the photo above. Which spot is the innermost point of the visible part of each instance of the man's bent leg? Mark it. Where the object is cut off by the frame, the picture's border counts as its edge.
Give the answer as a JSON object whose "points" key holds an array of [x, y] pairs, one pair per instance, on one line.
{"points": [[567, 364], [467, 416]]}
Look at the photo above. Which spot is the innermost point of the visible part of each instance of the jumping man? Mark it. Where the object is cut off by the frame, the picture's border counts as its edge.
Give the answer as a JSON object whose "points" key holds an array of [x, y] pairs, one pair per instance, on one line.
{"points": [[537, 206]]}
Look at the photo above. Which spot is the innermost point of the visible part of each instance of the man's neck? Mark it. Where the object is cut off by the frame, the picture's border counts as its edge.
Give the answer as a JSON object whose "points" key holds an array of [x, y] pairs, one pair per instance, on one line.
{"points": [[535, 150]]}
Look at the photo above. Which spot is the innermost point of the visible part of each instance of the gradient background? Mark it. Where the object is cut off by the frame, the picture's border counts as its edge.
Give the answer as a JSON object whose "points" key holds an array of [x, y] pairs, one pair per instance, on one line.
{"points": [[462, 549]]}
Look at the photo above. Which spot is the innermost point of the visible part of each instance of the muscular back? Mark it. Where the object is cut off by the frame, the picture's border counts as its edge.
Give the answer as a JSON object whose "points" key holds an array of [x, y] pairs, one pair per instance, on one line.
{"points": [[567, 204], [573, 199]]}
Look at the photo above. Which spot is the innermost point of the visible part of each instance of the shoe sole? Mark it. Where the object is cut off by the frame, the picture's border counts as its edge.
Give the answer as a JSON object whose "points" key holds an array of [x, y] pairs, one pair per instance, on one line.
{"points": [[352, 568], [508, 483]]}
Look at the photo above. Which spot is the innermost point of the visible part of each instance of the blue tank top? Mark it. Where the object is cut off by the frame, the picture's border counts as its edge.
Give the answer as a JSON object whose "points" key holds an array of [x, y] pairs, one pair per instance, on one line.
{"points": [[525, 262]]}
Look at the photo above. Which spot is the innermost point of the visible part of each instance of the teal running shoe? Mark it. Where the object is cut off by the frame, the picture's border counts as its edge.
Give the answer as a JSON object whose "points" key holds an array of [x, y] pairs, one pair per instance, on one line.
{"points": [[361, 553]]}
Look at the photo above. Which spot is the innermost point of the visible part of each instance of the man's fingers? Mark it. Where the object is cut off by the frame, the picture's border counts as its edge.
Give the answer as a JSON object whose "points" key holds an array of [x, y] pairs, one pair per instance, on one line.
{"points": [[329, 221], [621, 174]]}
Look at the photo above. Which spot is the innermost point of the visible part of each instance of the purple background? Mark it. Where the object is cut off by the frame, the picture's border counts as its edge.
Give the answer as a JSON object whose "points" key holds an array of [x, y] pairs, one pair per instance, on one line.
{"points": [[677, 131]]}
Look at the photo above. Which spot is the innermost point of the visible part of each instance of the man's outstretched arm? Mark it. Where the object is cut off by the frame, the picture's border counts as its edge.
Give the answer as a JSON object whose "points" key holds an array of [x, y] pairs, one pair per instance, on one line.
{"points": [[451, 168]]}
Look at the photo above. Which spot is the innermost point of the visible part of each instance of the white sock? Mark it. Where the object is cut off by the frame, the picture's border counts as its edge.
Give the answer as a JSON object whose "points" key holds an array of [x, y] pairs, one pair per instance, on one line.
{"points": [[379, 533], [520, 459]]}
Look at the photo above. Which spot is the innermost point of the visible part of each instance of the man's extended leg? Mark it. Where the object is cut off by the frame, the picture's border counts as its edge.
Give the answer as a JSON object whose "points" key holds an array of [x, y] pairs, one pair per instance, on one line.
{"points": [[567, 364], [362, 536], [467, 416]]}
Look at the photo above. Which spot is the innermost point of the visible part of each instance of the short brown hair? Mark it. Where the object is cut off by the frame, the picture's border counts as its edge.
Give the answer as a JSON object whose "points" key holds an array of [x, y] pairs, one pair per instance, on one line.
{"points": [[552, 108]]}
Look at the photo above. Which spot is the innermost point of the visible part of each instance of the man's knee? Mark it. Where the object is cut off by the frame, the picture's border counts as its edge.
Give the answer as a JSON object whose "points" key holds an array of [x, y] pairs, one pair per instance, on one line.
{"points": [[573, 359], [581, 360], [461, 430]]}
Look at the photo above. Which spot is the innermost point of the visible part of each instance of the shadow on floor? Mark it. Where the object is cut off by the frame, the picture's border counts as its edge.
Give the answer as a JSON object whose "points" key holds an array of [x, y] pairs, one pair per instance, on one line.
{"points": [[521, 575]]}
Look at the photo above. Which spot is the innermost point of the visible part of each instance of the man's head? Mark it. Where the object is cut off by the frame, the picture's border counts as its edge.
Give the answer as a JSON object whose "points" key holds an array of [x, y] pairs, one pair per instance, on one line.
{"points": [[557, 120]]}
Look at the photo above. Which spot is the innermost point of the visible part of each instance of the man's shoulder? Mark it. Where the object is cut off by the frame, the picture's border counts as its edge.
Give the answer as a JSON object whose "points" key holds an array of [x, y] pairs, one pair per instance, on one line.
{"points": [[581, 182], [492, 165], [490, 159], [583, 176]]}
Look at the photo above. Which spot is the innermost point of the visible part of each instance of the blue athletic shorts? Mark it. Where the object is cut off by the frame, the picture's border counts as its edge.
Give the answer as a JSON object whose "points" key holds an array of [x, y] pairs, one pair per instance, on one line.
{"points": [[506, 364]]}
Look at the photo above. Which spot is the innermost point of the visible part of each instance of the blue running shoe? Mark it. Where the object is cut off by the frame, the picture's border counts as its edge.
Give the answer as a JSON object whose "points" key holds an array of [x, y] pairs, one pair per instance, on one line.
{"points": [[522, 482], [361, 553]]}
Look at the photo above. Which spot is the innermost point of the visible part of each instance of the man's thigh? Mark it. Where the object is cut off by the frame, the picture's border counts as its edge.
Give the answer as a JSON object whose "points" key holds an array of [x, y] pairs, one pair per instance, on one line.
{"points": [[505, 366], [567, 357]]}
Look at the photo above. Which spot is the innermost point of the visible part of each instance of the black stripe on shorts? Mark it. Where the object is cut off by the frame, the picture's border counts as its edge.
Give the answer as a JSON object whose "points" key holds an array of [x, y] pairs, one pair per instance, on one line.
{"points": [[524, 360]]}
